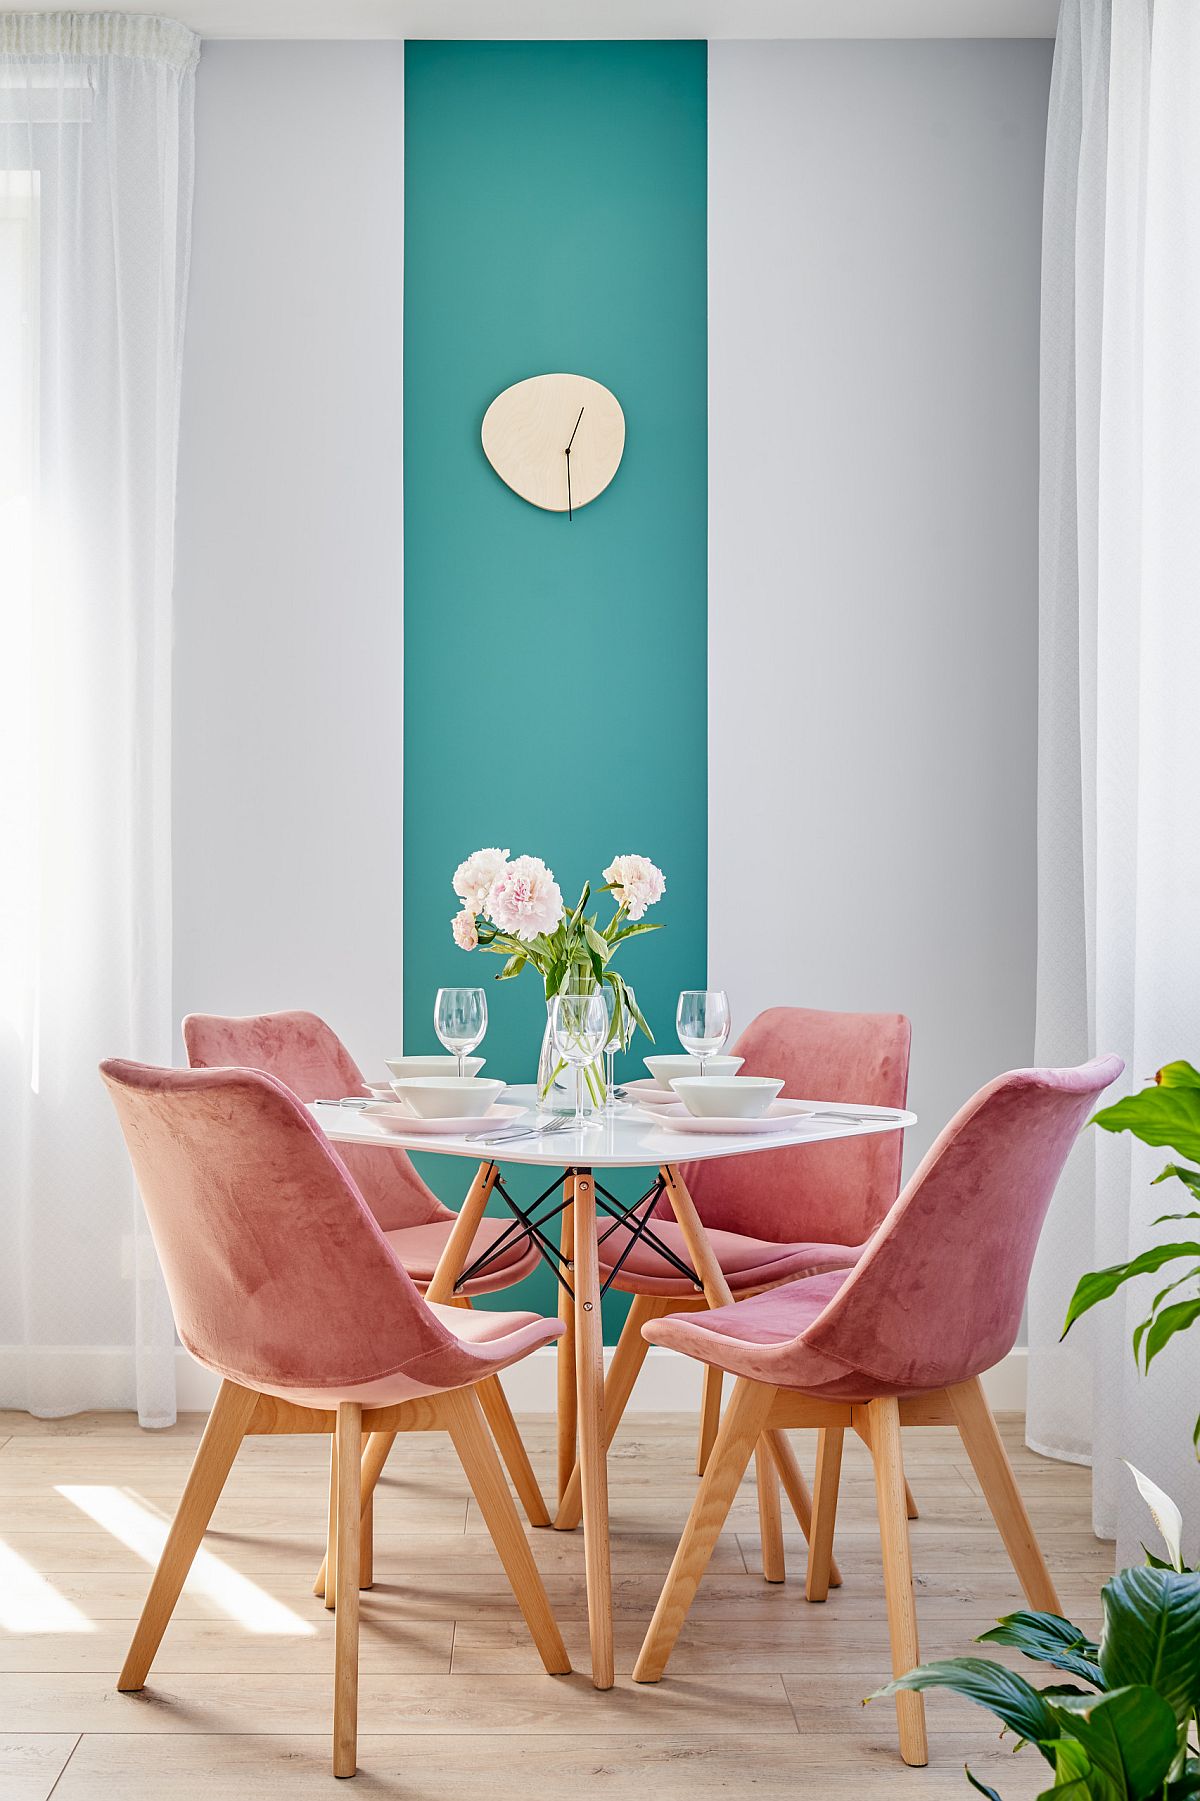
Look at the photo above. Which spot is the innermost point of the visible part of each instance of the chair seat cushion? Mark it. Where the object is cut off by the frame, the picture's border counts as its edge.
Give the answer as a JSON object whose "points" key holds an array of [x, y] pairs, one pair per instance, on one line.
{"points": [[419, 1249], [742, 1338], [747, 1262]]}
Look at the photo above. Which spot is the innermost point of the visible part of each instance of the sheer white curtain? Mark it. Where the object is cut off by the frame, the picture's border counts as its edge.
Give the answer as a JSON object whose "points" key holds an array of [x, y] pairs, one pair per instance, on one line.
{"points": [[1119, 799], [95, 204]]}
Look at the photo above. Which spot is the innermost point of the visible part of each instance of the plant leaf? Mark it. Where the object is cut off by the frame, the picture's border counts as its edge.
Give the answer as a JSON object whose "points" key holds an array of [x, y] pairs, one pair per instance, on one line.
{"points": [[1178, 1075], [1129, 1736], [1167, 1516], [1166, 1113], [1176, 1318], [1047, 1638], [990, 1685], [1099, 1284], [981, 1787], [638, 925], [1189, 1177], [1152, 1635]]}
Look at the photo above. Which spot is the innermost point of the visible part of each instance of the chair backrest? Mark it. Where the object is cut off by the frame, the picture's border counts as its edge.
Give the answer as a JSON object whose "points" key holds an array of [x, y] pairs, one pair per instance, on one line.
{"points": [[278, 1275], [310, 1059], [938, 1293], [836, 1191]]}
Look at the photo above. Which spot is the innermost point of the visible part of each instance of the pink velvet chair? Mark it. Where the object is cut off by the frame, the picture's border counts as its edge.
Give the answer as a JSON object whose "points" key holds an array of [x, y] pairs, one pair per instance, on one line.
{"points": [[901, 1339], [308, 1055], [773, 1217], [284, 1285]]}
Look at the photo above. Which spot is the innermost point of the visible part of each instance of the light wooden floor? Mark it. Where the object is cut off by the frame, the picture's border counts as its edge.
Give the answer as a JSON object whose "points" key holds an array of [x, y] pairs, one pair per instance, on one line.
{"points": [[762, 1699]]}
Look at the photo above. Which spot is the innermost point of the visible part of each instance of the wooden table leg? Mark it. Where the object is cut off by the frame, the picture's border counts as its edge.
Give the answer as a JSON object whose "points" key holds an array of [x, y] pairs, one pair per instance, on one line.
{"points": [[718, 1293], [593, 1468], [567, 1400]]}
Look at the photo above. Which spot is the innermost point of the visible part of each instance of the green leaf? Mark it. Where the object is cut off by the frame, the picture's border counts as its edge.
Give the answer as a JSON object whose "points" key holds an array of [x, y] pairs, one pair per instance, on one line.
{"points": [[1129, 1736], [1176, 1318], [1189, 1177], [1166, 1113], [1073, 1773], [990, 1685], [1187, 1783], [513, 967], [639, 925], [1178, 1075], [981, 1787], [1047, 1638], [1140, 1330], [1152, 1635], [1099, 1284], [598, 946]]}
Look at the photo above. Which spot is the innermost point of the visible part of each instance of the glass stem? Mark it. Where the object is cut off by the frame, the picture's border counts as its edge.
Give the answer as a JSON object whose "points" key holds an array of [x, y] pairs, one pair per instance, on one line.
{"points": [[579, 1119], [462, 1062], [703, 1061], [610, 1059]]}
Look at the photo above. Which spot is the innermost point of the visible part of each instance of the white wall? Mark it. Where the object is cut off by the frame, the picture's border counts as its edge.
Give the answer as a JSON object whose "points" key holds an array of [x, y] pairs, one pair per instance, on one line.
{"points": [[873, 267], [289, 619]]}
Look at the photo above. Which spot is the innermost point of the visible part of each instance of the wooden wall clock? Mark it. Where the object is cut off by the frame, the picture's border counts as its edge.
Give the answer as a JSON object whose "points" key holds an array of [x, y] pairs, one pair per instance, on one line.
{"points": [[556, 440]]}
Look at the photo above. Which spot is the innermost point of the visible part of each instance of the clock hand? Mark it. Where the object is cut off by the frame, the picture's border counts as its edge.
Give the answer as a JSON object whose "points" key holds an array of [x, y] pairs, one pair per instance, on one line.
{"points": [[570, 514]]}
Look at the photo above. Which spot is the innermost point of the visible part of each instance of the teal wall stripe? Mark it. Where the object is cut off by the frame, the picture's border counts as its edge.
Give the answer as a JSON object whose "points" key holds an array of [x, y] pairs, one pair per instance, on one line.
{"points": [[555, 688]]}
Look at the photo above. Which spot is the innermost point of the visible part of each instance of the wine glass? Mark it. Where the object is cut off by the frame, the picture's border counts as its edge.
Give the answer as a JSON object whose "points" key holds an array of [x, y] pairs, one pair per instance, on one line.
{"points": [[702, 1021], [460, 1021], [620, 1034], [578, 1026]]}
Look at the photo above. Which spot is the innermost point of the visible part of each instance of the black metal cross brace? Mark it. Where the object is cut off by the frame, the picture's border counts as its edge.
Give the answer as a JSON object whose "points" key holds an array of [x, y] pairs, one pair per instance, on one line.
{"points": [[532, 1230]]}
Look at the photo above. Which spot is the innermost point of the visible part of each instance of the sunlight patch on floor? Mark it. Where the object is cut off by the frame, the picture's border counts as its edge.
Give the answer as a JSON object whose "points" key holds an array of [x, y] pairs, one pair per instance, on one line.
{"points": [[145, 1532], [28, 1603]]}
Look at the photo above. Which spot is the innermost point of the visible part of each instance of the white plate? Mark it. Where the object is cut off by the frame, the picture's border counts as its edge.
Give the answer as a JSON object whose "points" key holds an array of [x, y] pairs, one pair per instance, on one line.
{"points": [[394, 1117], [381, 1090], [781, 1116], [646, 1092]]}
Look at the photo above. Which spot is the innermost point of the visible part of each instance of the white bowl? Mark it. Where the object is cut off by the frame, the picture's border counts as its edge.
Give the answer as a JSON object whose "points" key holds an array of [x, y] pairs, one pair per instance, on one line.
{"points": [[665, 1069], [404, 1067], [733, 1097], [448, 1097]]}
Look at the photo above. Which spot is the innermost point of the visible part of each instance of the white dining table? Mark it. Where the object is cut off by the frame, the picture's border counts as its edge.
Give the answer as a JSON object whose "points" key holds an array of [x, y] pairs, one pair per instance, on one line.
{"points": [[629, 1138]]}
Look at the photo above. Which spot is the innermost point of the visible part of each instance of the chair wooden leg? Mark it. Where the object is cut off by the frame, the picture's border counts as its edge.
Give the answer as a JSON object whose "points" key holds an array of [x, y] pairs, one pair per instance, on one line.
{"points": [[623, 1372], [511, 1446], [465, 1424], [989, 1459], [796, 1490], [366, 1545], [910, 1503], [348, 1440], [378, 1448], [883, 1427], [710, 1416], [219, 1446], [770, 1516], [327, 1574], [741, 1427], [825, 1499], [568, 1403]]}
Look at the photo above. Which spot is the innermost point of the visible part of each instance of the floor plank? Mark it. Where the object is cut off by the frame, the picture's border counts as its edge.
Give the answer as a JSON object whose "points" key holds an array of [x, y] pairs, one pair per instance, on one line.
{"points": [[31, 1763]]}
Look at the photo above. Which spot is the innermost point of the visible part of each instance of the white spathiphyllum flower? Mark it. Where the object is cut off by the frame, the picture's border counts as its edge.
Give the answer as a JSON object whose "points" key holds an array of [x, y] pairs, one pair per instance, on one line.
{"points": [[473, 879], [637, 883], [525, 899], [463, 926]]}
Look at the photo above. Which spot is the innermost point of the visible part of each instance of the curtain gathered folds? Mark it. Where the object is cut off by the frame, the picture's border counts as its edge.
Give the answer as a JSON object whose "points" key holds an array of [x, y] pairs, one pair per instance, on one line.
{"points": [[95, 206], [1119, 762]]}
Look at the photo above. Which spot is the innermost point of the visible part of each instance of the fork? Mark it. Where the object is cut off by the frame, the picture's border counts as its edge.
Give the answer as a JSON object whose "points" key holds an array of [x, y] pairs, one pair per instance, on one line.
{"points": [[560, 1123]]}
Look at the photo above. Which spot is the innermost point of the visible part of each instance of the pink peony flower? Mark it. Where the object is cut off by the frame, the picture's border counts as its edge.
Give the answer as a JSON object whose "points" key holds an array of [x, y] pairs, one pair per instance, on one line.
{"points": [[637, 883], [525, 899], [473, 879], [463, 927]]}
